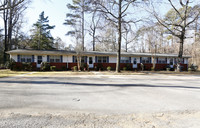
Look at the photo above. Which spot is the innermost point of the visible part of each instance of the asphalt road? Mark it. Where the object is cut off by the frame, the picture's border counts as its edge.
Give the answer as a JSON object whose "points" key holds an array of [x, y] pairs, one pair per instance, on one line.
{"points": [[98, 94], [102, 94]]}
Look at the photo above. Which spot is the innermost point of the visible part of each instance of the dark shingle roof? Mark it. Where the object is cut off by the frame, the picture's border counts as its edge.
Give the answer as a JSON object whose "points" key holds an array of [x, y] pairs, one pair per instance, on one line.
{"points": [[64, 52]]}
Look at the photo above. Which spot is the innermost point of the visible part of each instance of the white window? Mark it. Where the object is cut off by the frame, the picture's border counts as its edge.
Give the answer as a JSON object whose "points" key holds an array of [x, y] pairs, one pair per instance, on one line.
{"points": [[83, 59], [54, 59], [177, 60], [102, 59], [124, 60], [146, 60], [162, 61], [26, 58]]}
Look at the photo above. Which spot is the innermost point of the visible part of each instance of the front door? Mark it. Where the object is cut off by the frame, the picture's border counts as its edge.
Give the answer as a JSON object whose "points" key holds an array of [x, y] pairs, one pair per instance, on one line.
{"points": [[134, 62], [39, 61], [91, 65], [171, 63]]}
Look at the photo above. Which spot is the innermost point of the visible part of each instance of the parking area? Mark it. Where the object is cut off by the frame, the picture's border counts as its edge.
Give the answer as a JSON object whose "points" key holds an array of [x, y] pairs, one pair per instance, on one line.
{"points": [[99, 94]]}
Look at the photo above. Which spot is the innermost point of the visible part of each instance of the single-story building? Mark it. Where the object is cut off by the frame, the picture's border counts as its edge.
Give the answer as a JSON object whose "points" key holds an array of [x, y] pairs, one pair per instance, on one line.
{"points": [[64, 60]]}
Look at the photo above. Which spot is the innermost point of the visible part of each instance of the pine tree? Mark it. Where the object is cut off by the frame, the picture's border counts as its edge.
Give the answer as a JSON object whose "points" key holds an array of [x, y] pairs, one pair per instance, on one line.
{"points": [[76, 19], [41, 37]]}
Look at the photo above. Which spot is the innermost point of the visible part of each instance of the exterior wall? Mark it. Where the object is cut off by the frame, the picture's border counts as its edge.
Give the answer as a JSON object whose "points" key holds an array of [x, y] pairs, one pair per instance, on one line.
{"points": [[184, 67], [71, 65], [185, 61], [112, 59], [19, 65], [65, 59], [14, 57], [113, 65], [149, 66], [68, 62], [69, 59], [59, 66]]}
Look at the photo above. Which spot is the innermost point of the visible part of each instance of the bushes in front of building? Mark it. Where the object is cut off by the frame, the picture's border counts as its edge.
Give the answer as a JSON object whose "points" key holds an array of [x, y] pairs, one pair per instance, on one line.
{"points": [[75, 68], [192, 68], [53, 68], [108, 68], [99, 67], [45, 66], [84, 66]]}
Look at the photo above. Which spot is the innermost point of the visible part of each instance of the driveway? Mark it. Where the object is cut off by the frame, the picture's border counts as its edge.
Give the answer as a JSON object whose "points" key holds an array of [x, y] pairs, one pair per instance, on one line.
{"points": [[100, 95]]}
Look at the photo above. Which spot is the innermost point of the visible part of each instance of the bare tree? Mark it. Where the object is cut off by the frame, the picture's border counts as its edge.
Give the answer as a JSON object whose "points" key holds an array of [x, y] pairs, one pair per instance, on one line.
{"points": [[178, 20], [116, 11], [12, 11]]}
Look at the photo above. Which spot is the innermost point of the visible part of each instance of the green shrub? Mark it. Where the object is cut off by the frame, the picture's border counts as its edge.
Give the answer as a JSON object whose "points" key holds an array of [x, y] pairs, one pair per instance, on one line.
{"points": [[99, 67], [45, 66], [10, 64], [124, 68], [193, 67], [26, 66], [84, 66], [75, 68], [167, 69], [152, 69], [2, 66], [53, 68], [63, 68], [108, 68], [128, 66]]}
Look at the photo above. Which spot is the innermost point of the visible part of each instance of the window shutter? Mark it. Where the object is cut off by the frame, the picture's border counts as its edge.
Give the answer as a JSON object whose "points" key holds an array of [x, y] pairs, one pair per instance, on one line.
{"points": [[96, 59], [157, 60], [183, 61], [150, 59], [33, 58], [61, 58], [166, 60], [47, 58], [129, 59], [18, 58], [107, 59], [140, 59]]}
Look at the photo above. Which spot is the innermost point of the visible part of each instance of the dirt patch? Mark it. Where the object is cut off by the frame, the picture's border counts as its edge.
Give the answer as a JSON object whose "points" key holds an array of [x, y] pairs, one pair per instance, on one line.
{"points": [[185, 119]]}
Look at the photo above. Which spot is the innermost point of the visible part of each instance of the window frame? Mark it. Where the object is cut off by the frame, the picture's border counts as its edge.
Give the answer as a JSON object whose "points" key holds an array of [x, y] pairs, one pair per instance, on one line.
{"points": [[125, 60], [102, 59], [26, 58], [161, 61], [146, 60], [56, 59]]}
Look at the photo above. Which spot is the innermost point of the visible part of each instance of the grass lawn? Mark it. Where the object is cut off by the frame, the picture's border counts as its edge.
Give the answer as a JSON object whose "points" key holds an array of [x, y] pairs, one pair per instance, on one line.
{"points": [[7, 72], [67, 73]]}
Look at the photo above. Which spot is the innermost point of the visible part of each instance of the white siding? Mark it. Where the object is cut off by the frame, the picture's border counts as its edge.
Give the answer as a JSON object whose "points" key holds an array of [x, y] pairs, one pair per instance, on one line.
{"points": [[65, 59], [14, 57], [69, 59], [138, 59], [168, 60], [185, 61], [44, 58], [112, 59], [35, 58]]}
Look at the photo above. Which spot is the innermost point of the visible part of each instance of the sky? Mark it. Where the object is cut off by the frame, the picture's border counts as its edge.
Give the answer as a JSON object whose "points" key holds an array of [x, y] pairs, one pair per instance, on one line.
{"points": [[56, 11]]}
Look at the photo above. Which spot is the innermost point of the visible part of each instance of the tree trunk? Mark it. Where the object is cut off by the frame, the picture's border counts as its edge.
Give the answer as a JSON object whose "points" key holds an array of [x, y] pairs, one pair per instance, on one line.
{"points": [[119, 38], [93, 36], [5, 18], [82, 13]]}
